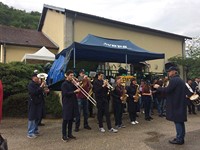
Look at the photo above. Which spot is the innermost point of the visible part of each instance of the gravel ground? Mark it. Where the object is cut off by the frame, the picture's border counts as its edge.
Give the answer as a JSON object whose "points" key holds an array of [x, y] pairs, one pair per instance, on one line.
{"points": [[147, 135]]}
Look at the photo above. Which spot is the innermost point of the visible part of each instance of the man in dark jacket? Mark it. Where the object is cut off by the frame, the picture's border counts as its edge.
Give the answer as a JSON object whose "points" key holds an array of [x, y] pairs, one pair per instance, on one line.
{"points": [[36, 91], [176, 104], [69, 105]]}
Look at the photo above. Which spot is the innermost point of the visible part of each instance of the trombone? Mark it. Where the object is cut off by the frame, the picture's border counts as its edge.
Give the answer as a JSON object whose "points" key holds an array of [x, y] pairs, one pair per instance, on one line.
{"points": [[87, 95]]}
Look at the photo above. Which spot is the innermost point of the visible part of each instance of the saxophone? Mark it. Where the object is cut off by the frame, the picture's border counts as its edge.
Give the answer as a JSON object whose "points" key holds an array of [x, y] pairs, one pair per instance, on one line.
{"points": [[137, 94], [124, 95]]}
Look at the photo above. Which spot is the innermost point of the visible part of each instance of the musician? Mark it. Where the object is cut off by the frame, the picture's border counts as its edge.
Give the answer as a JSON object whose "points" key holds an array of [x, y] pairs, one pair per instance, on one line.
{"points": [[69, 105], [117, 102], [190, 92], [195, 85], [82, 101], [176, 104], [141, 101], [100, 89], [147, 98], [132, 100], [35, 89]]}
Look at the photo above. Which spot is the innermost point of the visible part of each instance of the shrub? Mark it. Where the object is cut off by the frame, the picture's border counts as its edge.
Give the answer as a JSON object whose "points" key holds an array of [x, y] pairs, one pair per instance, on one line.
{"points": [[53, 105], [16, 105], [15, 77]]}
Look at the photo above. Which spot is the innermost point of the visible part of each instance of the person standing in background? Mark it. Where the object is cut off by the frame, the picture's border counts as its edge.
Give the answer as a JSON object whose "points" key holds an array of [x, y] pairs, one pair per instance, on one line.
{"points": [[83, 104]]}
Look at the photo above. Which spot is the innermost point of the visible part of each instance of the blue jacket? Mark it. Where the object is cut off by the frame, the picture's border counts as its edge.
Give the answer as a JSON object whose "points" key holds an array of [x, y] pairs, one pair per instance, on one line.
{"points": [[176, 103]]}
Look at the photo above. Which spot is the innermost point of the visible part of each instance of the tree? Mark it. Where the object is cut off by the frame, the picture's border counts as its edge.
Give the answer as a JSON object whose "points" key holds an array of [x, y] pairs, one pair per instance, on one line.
{"points": [[192, 60], [18, 18]]}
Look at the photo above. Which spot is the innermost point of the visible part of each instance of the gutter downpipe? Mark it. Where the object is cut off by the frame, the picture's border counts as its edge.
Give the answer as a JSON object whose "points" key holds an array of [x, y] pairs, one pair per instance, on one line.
{"points": [[73, 39], [183, 53], [126, 59], [1, 53], [4, 53]]}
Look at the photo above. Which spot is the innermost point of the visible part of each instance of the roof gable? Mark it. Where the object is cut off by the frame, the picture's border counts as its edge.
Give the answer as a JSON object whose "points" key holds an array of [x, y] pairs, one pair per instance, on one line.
{"points": [[24, 37]]}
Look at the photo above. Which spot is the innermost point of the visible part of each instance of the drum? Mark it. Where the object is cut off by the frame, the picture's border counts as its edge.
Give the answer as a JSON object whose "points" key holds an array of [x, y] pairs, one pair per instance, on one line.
{"points": [[195, 99]]}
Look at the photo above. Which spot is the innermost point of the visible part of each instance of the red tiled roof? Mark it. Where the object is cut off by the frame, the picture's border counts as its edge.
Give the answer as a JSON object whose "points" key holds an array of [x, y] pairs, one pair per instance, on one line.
{"points": [[24, 37]]}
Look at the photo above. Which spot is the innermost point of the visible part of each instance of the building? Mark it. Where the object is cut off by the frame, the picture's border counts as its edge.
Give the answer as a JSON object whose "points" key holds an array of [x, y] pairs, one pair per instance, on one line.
{"points": [[59, 27], [16, 42], [65, 26]]}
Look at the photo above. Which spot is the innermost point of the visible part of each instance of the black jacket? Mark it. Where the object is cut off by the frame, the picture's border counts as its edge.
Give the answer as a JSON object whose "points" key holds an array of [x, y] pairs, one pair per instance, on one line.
{"points": [[69, 100], [36, 97], [99, 90], [117, 93], [176, 103], [131, 91]]}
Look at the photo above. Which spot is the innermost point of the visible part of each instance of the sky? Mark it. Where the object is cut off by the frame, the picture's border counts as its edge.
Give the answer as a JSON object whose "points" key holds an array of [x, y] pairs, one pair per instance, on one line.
{"points": [[175, 16]]}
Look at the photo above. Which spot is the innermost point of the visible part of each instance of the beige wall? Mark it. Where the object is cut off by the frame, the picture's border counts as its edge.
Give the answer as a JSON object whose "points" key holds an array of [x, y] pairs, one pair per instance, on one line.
{"points": [[53, 28], [16, 53], [64, 30], [153, 43]]}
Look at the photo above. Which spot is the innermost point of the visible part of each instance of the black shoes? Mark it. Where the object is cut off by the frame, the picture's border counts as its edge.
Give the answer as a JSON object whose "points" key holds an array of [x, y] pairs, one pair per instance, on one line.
{"points": [[147, 119], [72, 137], [92, 116], [76, 129], [87, 127], [151, 118], [175, 141], [41, 124], [65, 139]]}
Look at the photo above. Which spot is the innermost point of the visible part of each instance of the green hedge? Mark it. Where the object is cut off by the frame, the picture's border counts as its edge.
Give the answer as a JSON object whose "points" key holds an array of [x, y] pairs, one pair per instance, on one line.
{"points": [[15, 77], [16, 105], [53, 106]]}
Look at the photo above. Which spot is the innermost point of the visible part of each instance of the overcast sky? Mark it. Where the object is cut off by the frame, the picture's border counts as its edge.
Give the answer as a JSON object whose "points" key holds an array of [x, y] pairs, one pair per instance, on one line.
{"points": [[175, 16]]}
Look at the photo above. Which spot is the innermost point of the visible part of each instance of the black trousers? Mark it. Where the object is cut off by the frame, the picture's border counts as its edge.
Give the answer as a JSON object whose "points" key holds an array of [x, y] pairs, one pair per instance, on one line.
{"points": [[147, 106], [67, 124], [90, 108], [118, 110], [132, 110], [191, 107], [103, 109]]}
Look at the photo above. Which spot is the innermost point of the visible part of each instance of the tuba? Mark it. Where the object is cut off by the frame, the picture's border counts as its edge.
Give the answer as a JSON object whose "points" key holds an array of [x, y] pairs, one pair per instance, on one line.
{"points": [[137, 94]]}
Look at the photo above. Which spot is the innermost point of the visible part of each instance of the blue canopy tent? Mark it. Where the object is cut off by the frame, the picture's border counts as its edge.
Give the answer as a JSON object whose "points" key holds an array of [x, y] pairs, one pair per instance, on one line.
{"points": [[100, 49]]}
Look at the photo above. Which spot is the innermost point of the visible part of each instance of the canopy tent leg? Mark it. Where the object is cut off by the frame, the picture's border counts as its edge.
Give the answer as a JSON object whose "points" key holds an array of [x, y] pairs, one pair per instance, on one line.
{"points": [[74, 58], [126, 59]]}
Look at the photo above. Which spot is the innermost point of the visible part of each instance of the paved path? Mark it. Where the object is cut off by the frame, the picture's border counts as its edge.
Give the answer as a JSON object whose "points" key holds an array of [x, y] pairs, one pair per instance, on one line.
{"points": [[147, 135]]}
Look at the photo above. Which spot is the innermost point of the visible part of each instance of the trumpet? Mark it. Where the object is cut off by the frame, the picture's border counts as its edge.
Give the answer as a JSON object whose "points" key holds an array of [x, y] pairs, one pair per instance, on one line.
{"points": [[86, 94], [108, 84]]}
